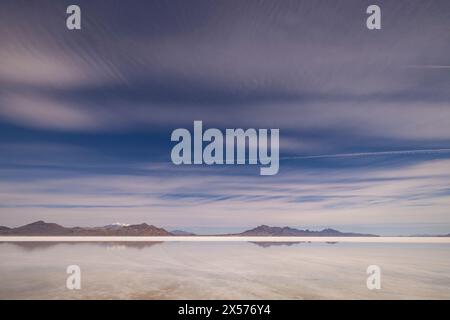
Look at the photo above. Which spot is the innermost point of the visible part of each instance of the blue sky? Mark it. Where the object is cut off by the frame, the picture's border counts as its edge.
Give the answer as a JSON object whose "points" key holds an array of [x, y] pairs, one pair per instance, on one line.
{"points": [[86, 116]]}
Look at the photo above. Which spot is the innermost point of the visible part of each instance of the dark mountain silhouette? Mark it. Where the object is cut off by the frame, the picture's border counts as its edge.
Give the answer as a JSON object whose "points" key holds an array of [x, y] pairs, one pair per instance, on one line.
{"points": [[182, 233], [264, 230], [41, 228]]}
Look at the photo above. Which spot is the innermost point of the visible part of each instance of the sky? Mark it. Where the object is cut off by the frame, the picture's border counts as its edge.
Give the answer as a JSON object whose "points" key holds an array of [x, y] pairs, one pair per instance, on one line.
{"points": [[364, 115]]}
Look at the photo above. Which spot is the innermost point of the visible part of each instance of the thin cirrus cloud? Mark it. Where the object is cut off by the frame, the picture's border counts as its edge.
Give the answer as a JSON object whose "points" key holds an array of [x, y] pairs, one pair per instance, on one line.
{"points": [[230, 65], [40, 112], [339, 197]]}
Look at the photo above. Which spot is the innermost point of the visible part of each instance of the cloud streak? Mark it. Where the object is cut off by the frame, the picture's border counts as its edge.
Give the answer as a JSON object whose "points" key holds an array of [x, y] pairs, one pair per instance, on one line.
{"points": [[312, 197], [370, 154]]}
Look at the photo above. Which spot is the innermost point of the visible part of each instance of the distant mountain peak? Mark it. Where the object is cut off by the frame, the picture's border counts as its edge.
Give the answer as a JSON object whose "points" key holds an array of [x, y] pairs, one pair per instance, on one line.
{"points": [[328, 230], [181, 233], [39, 222], [118, 224], [42, 228], [265, 230]]}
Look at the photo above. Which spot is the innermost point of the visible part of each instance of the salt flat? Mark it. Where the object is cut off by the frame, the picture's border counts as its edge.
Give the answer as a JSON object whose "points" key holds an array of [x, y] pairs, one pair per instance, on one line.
{"points": [[229, 239], [223, 270]]}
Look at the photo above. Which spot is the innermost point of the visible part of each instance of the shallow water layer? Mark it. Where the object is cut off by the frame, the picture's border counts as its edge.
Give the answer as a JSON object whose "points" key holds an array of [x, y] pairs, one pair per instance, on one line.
{"points": [[224, 270]]}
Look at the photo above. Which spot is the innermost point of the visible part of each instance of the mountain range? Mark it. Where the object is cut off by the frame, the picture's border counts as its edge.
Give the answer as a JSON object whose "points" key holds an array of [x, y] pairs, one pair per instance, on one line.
{"points": [[268, 231], [41, 228]]}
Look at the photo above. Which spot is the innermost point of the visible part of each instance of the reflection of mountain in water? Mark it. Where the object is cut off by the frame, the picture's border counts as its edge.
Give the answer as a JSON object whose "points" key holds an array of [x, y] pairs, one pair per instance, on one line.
{"points": [[35, 246], [275, 243], [135, 245], [279, 244]]}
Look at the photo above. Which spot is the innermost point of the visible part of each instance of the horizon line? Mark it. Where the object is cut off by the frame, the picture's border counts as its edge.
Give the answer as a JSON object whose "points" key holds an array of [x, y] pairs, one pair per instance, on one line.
{"points": [[223, 239]]}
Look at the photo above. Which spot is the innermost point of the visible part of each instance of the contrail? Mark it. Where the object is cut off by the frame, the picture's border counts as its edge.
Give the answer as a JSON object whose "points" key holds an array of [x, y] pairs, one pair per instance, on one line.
{"points": [[429, 66], [369, 154]]}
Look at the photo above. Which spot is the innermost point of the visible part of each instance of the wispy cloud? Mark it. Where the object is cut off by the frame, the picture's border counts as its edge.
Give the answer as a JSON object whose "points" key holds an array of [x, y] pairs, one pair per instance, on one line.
{"points": [[370, 154], [411, 194], [430, 66]]}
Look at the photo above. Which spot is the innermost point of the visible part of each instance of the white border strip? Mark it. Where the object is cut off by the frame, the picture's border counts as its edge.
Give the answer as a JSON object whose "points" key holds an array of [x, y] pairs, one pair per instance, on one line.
{"points": [[229, 239]]}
